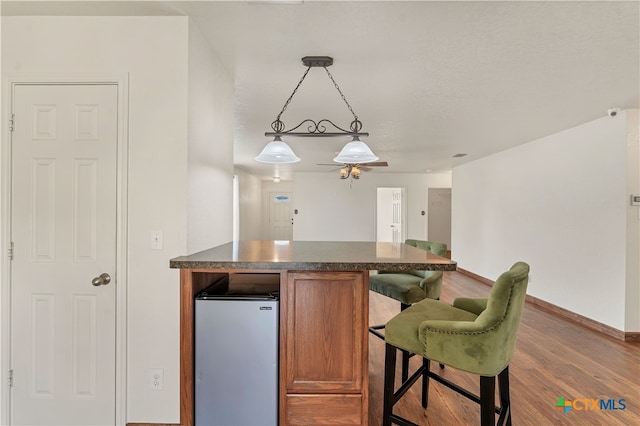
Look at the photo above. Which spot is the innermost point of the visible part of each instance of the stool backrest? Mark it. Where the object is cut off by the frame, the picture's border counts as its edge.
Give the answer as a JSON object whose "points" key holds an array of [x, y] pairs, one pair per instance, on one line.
{"points": [[436, 248], [502, 315]]}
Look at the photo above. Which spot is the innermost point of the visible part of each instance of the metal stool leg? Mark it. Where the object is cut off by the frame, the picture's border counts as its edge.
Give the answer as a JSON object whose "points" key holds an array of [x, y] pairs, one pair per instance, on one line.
{"points": [[405, 355], [425, 382], [505, 399], [389, 380]]}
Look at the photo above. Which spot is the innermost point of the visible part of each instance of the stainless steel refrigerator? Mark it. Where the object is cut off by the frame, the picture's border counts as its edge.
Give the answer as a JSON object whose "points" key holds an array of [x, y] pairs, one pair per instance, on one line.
{"points": [[236, 360]]}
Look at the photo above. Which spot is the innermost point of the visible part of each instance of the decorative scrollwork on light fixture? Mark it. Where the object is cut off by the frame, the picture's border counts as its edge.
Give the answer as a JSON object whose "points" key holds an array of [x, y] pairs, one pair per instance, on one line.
{"points": [[315, 128]]}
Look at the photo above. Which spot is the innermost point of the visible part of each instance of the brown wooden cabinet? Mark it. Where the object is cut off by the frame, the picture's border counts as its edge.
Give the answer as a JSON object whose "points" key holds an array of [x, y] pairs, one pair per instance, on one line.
{"points": [[323, 359], [323, 345]]}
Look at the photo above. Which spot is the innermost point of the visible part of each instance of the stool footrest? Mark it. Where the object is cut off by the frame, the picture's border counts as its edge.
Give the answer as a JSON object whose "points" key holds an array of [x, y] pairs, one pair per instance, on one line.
{"points": [[401, 421], [505, 413], [458, 389], [407, 384], [374, 330]]}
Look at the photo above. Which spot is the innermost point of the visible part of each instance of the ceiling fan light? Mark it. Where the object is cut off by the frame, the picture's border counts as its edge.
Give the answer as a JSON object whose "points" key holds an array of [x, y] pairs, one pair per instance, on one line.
{"points": [[356, 151], [344, 173], [276, 152]]}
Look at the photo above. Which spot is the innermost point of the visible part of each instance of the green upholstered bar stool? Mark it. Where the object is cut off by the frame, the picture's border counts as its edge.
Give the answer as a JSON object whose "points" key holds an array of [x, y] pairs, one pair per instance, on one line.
{"points": [[477, 335], [409, 287]]}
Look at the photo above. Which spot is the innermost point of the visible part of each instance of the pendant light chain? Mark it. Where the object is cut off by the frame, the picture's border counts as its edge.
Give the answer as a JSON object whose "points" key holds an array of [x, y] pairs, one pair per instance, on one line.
{"points": [[278, 125], [316, 127], [356, 125]]}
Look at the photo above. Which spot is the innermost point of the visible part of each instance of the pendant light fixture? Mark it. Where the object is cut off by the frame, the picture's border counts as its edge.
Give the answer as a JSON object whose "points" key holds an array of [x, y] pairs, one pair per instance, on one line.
{"points": [[278, 151], [357, 152]]}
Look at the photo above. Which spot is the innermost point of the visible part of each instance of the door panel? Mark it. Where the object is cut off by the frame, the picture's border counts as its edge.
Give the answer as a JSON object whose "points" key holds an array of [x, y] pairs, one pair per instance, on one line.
{"points": [[63, 227], [325, 330], [324, 376], [280, 216], [396, 217]]}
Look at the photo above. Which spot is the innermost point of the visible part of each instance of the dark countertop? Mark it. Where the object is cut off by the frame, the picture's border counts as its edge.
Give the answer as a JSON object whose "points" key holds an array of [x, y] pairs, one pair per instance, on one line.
{"points": [[314, 256]]}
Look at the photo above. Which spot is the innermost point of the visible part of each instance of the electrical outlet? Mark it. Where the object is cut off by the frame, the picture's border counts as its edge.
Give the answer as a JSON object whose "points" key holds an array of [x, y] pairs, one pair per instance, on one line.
{"points": [[156, 379]]}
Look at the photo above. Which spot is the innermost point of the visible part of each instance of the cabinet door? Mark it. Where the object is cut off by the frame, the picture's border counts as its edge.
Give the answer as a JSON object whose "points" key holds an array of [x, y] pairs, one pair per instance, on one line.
{"points": [[325, 327]]}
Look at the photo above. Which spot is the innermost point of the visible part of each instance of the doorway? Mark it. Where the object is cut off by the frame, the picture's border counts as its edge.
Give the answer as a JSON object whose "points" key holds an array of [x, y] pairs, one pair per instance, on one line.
{"points": [[280, 216], [391, 216], [439, 217], [67, 145]]}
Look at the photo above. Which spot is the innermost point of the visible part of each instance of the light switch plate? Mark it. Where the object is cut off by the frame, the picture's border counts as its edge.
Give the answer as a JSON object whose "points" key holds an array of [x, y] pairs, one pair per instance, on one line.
{"points": [[156, 240]]}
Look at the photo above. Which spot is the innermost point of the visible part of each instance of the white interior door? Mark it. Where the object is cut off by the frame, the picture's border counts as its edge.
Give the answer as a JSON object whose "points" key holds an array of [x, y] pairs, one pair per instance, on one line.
{"points": [[280, 216], [390, 215], [396, 217], [63, 227]]}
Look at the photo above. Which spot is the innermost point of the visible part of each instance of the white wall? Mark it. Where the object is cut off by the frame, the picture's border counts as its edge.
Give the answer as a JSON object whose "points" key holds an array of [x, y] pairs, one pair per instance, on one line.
{"points": [[153, 50], [559, 203], [210, 172], [249, 205], [330, 208]]}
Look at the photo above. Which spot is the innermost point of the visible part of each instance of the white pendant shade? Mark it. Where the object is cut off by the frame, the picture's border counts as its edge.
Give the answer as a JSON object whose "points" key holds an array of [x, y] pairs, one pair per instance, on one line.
{"points": [[356, 152], [277, 151]]}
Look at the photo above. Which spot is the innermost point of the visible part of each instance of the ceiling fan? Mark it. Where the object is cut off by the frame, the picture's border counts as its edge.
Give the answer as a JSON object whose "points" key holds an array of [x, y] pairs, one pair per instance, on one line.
{"points": [[355, 169]]}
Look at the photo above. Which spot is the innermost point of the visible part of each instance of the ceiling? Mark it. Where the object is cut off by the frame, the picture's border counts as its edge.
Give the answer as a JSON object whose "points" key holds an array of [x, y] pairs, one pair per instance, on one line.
{"points": [[427, 79]]}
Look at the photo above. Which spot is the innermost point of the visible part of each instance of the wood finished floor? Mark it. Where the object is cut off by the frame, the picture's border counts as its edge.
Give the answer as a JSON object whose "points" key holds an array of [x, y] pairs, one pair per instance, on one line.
{"points": [[554, 358]]}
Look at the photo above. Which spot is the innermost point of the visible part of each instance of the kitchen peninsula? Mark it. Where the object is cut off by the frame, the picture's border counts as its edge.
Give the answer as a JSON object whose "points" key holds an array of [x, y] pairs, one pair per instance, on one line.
{"points": [[324, 307]]}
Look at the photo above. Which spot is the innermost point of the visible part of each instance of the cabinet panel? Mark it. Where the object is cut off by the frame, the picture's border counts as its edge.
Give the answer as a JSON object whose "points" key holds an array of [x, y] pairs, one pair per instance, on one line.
{"points": [[325, 331], [308, 410]]}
